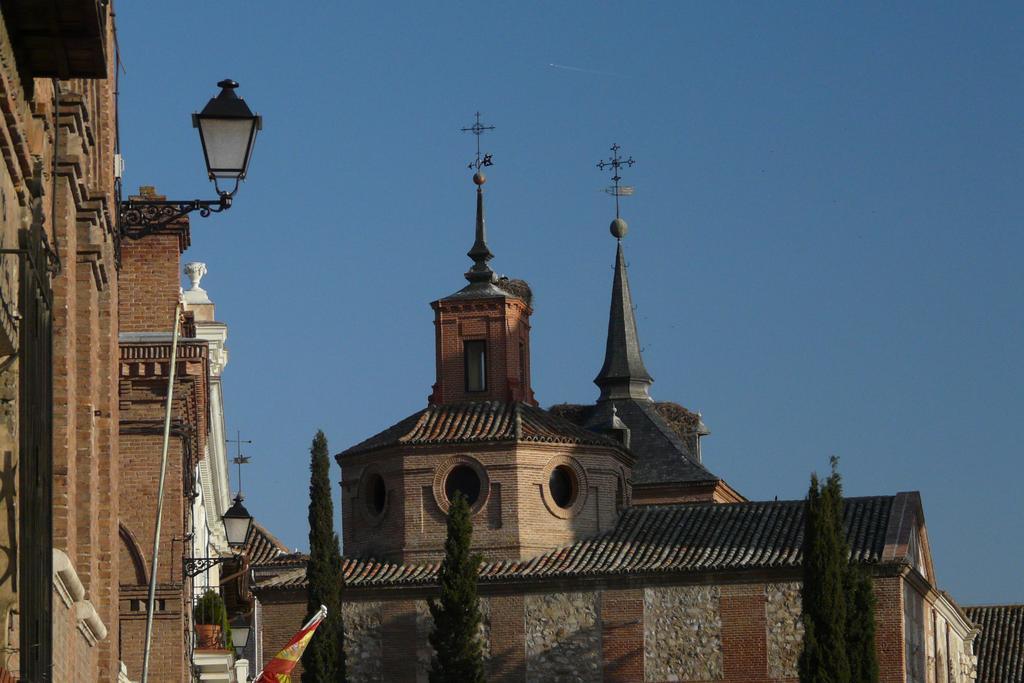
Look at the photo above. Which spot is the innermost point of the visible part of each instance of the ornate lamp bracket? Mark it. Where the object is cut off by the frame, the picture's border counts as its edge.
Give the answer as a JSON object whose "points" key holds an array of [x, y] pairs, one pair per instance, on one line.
{"points": [[142, 217], [194, 566]]}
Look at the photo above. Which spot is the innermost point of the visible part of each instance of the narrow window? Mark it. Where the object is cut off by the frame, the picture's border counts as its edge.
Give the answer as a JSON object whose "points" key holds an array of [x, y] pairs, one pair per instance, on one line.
{"points": [[475, 353]]}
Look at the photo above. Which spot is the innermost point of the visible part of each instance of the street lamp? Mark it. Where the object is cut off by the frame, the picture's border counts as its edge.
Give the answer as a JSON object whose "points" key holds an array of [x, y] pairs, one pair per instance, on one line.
{"points": [[237, 522], [240, 633], [227, 131]]}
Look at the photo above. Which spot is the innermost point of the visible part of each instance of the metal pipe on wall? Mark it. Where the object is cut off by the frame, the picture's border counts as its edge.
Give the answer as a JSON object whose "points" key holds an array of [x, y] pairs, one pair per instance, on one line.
{"points": [[150, 602]]}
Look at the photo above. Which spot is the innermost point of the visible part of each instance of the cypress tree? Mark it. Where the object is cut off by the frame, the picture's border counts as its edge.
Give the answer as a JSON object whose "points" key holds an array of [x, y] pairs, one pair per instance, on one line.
{"points": [[860, 626], [824, 656], [458, 655], [324, 658]]}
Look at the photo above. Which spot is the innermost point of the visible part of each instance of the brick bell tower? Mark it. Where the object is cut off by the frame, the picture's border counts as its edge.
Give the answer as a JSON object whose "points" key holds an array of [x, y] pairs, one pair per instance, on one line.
{"points": [[482, 332]]}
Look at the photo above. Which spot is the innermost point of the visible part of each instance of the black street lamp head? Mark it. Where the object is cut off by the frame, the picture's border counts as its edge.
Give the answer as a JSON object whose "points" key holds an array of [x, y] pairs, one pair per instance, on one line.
{"points": [[240, 631], [237, 522], [227, 129]]}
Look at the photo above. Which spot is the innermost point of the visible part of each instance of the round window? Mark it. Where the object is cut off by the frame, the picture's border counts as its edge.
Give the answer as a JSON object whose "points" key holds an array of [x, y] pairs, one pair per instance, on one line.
{"points": [[376, 494], [463, 479], [563, 486]]}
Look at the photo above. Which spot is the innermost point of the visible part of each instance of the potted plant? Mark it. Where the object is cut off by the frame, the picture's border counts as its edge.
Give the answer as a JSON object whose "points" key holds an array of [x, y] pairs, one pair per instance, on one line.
{"points": [[211, 619]]}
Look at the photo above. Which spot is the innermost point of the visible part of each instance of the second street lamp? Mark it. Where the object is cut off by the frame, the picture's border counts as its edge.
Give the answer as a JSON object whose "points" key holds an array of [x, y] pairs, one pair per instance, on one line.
{"points": [[237, 522], [227, 131]]}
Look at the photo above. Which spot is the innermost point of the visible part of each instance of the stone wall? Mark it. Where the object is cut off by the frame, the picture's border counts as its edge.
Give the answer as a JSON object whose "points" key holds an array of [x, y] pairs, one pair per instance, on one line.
{"points": [[785, 630], [363, 635], [425, 624], [682, 633], [563, 637]]}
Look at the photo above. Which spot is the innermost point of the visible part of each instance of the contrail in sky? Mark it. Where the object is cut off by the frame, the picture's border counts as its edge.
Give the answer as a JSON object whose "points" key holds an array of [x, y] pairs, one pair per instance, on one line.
{"points": [[584, 71]]}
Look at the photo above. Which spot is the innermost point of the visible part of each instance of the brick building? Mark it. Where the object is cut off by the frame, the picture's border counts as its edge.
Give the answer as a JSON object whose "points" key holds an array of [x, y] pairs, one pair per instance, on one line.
{"points": [[58, 341], [612, 552], [86, 313]]}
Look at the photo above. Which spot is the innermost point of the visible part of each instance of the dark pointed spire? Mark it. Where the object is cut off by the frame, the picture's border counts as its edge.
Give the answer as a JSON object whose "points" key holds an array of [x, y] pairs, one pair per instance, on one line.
{"points": [[623, 374], [480, 252]]}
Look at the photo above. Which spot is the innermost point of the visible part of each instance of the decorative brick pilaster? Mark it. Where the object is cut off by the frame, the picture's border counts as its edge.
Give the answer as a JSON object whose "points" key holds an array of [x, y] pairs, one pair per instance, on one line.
{"points": [[508, 639], [398, 622], [744, 640], [622, 634]]}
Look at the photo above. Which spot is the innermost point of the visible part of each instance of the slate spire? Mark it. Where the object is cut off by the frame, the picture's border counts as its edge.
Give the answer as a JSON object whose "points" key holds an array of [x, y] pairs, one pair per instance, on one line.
{"points": [[623, 374], [480, 252]]}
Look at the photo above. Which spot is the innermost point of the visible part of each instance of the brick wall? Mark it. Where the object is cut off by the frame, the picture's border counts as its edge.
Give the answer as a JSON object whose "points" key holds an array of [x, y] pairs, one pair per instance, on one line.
{"points": [[504, 323], [744, 640], [732, 618], [622, 636], [889, 634], [284, 613], [515, 518], [150, 280]]}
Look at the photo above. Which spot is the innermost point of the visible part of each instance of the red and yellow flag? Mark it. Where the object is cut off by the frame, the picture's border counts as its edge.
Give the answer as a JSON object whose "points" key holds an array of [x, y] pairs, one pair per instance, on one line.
{"points": [[279, 669]]}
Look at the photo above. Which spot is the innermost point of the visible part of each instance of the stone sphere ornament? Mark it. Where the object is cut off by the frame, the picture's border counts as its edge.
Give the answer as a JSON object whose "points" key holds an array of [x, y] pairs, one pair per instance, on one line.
{"points": [[618, 228]]}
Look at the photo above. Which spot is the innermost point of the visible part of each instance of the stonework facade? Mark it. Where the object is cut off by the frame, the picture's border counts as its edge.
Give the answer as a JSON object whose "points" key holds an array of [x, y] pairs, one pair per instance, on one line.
{"points": [[563, 637], [785, 629], [682, 633]]}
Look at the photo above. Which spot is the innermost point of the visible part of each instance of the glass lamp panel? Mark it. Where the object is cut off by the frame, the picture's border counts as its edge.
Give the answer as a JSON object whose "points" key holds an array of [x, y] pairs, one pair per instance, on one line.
{"points": [[240, 636], [227, 145], [237, 529]]}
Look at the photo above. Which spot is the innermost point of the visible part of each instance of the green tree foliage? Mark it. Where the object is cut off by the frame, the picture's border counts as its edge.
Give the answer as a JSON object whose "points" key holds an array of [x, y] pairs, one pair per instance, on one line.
{"points": [[458, 655], [824, 658], [860, 626], [838, 600], [324, 658]]}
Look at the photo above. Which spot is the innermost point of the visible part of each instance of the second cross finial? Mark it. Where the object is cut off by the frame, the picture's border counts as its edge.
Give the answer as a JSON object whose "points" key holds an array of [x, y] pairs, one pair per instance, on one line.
{"points": [[615, 162], [481, 160]]}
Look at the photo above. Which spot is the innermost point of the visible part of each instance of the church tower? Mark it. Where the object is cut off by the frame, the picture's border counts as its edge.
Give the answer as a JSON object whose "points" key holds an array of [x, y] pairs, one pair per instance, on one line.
{"points": [[482, 331], [534, 481], [664, 437]]}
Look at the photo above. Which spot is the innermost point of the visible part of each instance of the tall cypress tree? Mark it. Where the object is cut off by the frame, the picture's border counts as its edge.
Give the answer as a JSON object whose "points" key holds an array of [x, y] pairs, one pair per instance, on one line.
{"points": [[324, 658], [458, 655], [824, 656], [860, 626]]}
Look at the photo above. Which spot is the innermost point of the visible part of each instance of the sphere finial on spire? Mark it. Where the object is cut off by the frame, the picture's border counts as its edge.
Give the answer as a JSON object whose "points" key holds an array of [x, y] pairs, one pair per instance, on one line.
{"points": [[619, 228]]}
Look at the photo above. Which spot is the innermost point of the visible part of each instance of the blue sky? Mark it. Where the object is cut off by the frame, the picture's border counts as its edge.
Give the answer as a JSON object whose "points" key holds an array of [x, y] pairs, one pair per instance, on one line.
{"points": [[824, 243]]}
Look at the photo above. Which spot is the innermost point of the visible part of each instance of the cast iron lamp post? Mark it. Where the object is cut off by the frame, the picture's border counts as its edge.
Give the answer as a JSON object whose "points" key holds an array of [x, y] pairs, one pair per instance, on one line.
{"points": [[227, 131]]}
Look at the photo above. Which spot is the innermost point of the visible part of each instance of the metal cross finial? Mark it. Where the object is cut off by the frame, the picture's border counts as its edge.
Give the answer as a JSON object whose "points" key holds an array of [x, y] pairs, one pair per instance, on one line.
{"points": [[239, 459], [615, 162], [478, 129]]}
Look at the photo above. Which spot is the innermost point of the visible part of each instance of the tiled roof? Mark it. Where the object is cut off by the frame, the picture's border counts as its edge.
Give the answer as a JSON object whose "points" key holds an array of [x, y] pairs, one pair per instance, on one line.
{"points": [[1000, 646], [653, 539], [481, 421], [661, 434], [262, 546]]}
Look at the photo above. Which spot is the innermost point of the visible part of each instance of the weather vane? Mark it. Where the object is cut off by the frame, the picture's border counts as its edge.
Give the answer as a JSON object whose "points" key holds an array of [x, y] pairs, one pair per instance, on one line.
{"points": [[239, 459], [478, 129], [615, 162]]}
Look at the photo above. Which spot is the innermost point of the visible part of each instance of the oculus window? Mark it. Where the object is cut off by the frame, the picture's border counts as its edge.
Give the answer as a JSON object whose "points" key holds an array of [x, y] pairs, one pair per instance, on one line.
{"points": [[563, 486], [475, 354], [463, 479]]}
